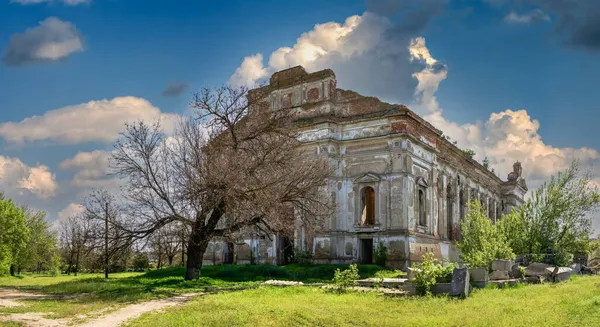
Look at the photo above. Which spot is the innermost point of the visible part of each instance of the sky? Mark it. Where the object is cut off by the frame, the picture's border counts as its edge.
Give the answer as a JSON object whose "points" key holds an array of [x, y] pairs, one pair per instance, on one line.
{"points": [[510, 79]]}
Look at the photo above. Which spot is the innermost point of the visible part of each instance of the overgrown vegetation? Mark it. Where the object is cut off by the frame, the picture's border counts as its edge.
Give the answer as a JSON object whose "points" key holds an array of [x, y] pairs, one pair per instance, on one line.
{"points": [[343, 279], [381, 254], [556, 219], [429, 272], [482, 241]]}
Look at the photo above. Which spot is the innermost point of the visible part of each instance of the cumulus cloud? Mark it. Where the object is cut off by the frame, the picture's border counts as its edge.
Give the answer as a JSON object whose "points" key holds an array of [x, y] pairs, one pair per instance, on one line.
{"points": [[91, 169], [71, 210], [66, 2], [175, 89], [370, 44], [52, 40], [505, 137], [535, 16], [99, 121], [18, 179]]}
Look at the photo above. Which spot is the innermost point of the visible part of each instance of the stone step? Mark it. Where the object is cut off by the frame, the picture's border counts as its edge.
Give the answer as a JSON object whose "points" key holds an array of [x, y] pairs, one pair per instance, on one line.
{"points": [[387, 282]]}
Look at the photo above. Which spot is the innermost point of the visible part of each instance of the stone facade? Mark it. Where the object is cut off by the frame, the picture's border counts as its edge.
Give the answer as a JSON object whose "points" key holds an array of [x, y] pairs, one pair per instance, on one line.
{"points": [[397, 179]]}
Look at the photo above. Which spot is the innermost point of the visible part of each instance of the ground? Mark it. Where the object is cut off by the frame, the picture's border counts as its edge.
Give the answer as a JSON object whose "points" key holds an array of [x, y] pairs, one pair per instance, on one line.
{"points": [[162, 298]]}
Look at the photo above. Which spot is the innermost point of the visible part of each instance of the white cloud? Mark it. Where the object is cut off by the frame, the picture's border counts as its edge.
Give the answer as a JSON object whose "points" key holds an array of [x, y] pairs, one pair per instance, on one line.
{"points": [[506, 137], [358, 50], [91, 169], [100, 121], [52, 40], [18, 179], [66, 2], [71, 210], [534, 16]]}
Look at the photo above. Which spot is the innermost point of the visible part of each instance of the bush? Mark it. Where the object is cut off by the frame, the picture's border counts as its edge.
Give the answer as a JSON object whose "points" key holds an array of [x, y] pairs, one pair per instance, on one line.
{"points": [[430, 272], [562, 258], [381, 254], [300, 256], [482, 241], [345, 278]]}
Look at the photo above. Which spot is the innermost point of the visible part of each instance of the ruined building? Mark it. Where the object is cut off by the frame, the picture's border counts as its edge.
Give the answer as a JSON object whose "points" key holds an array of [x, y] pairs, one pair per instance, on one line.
{"points": [[398, 180]]}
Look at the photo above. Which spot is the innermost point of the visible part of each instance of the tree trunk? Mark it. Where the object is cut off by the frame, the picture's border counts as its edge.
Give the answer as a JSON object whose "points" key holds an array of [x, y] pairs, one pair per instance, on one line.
{"points": [[195, 252], [12, 269], [170, 259], [76, 264]]}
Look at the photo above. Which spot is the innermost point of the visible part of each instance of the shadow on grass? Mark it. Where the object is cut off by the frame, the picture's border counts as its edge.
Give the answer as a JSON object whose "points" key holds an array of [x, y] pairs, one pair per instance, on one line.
{"points": [[170, 281]]}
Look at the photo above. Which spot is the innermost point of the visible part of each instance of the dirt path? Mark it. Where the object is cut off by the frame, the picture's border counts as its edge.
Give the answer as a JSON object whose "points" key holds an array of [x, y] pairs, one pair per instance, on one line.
{"points": [[8, 298], [133, 311]]}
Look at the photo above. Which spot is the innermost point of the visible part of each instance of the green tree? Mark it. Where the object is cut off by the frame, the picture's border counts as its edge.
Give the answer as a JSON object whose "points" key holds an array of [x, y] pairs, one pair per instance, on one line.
{"points": [[38, 253], [13, 234], [556, 217], [482, 242]]}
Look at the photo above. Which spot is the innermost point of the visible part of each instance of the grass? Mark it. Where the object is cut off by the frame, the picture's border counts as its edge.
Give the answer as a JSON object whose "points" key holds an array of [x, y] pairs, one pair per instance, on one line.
{"points": [[575, 303], [97, 293]]}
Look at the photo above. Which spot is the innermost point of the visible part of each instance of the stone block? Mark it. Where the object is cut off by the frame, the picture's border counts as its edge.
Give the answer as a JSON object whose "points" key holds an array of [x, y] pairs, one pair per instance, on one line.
{"points": [[536, 269], [499, 275], [410, 273], [558, 274], [515, 272], [441, 288], [502, 265], [460, 286], [479, 274], [576, 268]]}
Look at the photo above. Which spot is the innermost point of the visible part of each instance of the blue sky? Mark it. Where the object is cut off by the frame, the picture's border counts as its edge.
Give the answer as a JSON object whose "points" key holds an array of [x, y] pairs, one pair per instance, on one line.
{"points": [[485, 57]]}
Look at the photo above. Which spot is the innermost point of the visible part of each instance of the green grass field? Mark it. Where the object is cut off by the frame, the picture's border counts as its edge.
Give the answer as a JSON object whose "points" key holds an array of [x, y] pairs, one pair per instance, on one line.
{"points": [[94, 293], [576, 303]]}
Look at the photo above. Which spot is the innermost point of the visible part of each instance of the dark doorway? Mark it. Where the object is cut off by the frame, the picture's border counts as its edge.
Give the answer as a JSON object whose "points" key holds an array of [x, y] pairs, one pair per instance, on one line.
{"points": [[366, 251], [229, 255], [288, 251]]}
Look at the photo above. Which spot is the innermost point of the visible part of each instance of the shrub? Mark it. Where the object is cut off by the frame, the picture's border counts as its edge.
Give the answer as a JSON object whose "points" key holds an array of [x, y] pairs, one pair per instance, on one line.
{"points": [[426, 273], [482, 242], [300, 256], [562, 258], [430, 272], [381, 254], [445, 273], [343, 279]]}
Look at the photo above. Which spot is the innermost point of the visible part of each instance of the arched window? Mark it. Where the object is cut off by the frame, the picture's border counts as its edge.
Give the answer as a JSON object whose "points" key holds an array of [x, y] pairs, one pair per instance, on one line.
{"points": [[463, 203], [450, 211], [367, 206], [422, 215]]}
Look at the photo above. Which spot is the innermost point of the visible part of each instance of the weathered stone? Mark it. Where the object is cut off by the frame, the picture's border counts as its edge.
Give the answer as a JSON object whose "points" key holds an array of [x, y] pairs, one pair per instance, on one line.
{"points": [[479, 274], [516, 272], [558, 274], [499, 275], [460, 283], [536, 269], [576, 268], [441, 288], [502, 265], [410, 273]]}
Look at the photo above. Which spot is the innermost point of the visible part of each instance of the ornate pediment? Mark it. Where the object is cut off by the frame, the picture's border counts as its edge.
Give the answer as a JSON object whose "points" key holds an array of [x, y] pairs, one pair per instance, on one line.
{"points": [[368, 178]]}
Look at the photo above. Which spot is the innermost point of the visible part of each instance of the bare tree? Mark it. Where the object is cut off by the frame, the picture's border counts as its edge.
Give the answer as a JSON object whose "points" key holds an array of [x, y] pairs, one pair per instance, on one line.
{"points": [[234, 165], [76, 240], [104, 212]]}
